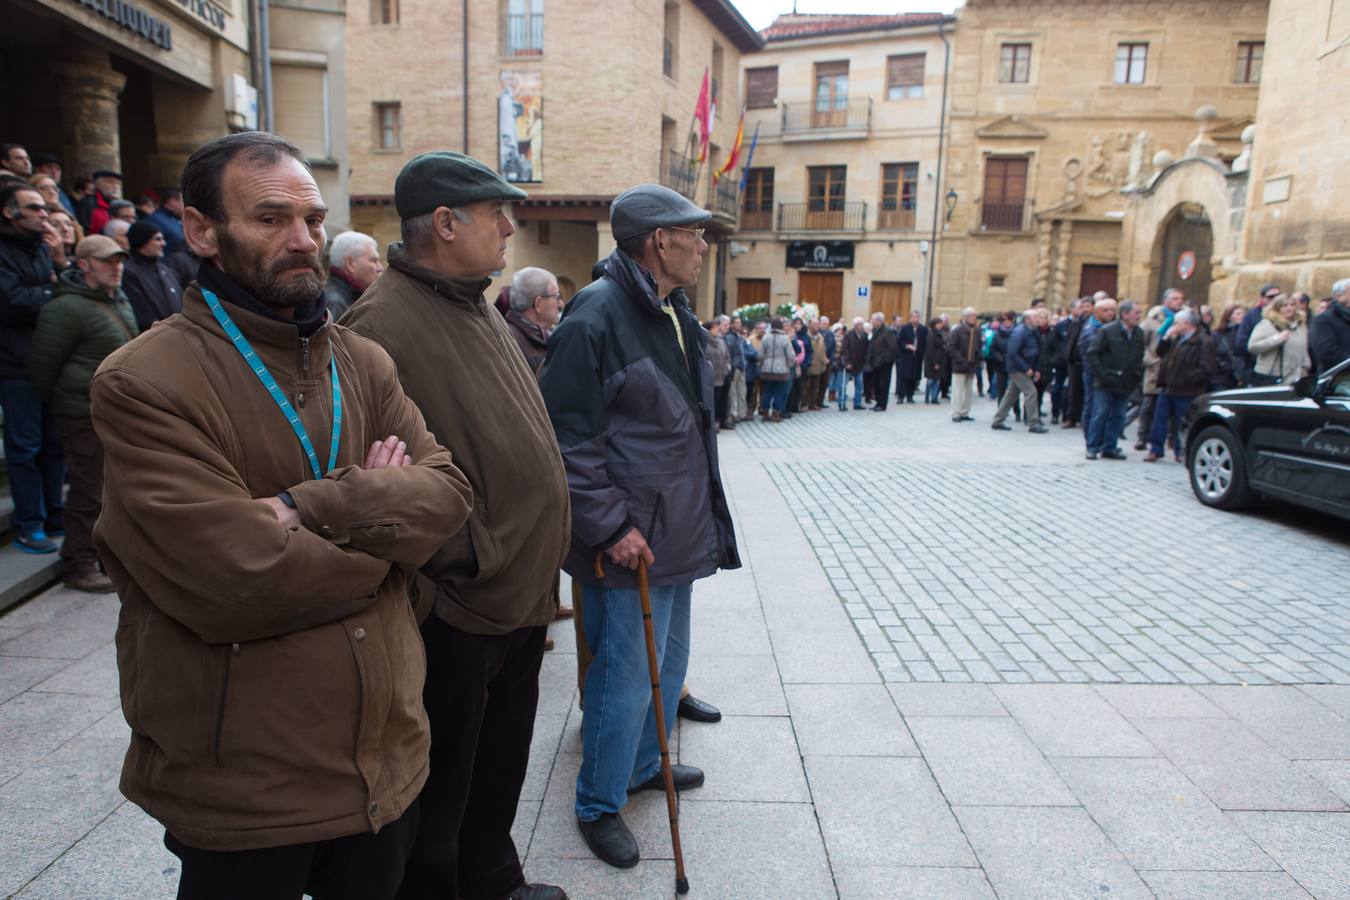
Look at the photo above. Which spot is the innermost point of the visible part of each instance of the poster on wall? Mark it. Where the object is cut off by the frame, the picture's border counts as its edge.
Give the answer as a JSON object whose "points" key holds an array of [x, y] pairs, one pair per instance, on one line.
{"points": [[520, 126]]}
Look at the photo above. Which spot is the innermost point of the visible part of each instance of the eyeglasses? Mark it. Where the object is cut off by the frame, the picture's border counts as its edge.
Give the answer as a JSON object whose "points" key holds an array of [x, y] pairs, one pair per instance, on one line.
{"points": [[696, 232], [557, 294], [36, 207]]}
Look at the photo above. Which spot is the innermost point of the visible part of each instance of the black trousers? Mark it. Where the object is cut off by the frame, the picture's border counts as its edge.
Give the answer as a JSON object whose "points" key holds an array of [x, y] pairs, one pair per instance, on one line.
{"points": [[1073, 410], [84, 466], [480, 695], [363, 866], [721, 394], [881, 379]]}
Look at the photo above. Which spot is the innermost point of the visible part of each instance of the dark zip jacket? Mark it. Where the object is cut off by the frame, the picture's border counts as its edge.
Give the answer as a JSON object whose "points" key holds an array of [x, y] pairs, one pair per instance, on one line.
{"points": [[634, 418], [25, 287]]}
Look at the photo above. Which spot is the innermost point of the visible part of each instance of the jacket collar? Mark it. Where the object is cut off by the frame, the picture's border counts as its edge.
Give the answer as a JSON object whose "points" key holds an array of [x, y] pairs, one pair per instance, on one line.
{"points": [[71, 281], [638, 283], [277, 341], [457, 290], [10, 233], [531, 330], [308, 317]]}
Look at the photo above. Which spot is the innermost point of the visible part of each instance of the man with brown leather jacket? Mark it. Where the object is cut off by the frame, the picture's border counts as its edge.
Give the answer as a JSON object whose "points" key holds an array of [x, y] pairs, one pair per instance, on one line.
{"points": [[491, 590], [965, 350], [1187, 362], [266, 480]]}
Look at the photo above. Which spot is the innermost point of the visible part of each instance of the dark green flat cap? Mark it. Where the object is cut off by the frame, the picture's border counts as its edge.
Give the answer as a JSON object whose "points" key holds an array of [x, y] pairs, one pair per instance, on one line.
{"points": [[447, 178]]}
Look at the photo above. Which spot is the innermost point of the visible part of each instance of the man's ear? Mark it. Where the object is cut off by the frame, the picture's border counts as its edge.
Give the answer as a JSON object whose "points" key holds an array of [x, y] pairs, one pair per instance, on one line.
{"points": [[443, 221], [199, 232]]}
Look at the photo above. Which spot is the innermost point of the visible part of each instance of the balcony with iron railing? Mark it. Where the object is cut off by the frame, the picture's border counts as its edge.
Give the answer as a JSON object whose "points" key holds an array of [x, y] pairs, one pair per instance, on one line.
{"points": [[1003, 217], [850, 216], [827, 120], [524, 34], [724, 198], [679, 173]]}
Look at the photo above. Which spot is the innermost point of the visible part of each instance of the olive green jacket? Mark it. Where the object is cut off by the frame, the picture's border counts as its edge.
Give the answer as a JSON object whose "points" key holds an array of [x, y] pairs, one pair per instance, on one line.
{"points": [[75, 332]]}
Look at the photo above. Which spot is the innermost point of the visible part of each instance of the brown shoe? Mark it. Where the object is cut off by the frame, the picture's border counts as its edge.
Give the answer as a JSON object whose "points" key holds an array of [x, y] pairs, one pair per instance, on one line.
{"points": [[564, 612], [1152, 457], [548, 644], [89, 582]]}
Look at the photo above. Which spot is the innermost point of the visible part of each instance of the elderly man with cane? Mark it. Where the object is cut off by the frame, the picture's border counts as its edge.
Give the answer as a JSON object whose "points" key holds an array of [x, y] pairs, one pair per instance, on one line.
{"points": [[628, 387]]}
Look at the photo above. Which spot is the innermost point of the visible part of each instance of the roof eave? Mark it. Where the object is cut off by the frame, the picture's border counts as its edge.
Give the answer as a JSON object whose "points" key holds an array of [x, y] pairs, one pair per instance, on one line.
{"points": [[731, 23]]}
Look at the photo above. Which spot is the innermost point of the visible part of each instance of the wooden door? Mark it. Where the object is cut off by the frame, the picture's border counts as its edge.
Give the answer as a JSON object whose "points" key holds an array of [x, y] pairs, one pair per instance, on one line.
{"points": [[1096, 278], [891, 298], [1005, 193], [752, 290], [831, 106], [824, 289]]}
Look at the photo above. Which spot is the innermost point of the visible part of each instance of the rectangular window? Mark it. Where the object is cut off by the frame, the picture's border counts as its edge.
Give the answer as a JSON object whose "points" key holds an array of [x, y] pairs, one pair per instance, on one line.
{"points": [[1131, 63], [717, 55], [757, 200], [831, 103], [825, 197], [388, 126], [1005, 193], [384, 12], [899, 195], [522, 27], [904, 76], [671, 44], [761, 87], [996, 281], [300, 98], [1014, 64], [1249, 57]]}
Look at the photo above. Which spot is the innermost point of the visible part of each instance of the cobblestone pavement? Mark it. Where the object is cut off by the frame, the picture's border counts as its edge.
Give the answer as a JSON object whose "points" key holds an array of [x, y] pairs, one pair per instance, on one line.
{"points": [[876, 545]]}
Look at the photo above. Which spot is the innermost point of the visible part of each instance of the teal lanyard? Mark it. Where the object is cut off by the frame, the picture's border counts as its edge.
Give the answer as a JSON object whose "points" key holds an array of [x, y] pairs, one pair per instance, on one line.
{"points": [[256, 364]]}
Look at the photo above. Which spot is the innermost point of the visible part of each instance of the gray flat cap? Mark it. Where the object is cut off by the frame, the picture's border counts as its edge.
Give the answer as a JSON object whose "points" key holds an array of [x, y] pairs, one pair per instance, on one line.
{"points": [[640, 209]]}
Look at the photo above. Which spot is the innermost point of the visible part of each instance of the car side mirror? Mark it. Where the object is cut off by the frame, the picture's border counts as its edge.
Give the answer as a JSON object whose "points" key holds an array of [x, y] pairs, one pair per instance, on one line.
{"points": [[1307, 387]]}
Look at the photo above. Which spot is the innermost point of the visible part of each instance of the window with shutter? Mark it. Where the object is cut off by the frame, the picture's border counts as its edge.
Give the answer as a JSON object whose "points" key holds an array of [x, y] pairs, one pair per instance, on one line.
{"points": [[300, 103], [761, 87], [1005, 191], [904, 76]]}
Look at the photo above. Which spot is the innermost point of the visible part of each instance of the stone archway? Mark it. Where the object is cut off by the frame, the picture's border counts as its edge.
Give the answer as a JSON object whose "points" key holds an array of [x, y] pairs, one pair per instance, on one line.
{"points": [[1183, 254]]}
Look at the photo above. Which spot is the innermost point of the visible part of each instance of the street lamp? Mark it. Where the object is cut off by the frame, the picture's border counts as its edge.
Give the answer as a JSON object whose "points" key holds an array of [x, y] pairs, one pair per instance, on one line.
{"points": [[951, 202]]}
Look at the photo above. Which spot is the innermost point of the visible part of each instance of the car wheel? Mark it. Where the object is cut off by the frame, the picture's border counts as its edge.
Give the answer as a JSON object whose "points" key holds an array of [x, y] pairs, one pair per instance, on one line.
{"points": [[1218, 470]]}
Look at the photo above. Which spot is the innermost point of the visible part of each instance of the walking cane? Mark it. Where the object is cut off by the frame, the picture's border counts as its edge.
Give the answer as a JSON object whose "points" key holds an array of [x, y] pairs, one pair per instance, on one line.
{"points": [[658, 707]]}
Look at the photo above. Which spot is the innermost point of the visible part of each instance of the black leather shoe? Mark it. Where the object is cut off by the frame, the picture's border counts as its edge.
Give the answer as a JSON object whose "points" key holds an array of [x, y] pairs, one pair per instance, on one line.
{"points": [[999, 426], [1038, 429], [686, 779], [695, 710], [610, 840], [1113, 454], [537, 892]]}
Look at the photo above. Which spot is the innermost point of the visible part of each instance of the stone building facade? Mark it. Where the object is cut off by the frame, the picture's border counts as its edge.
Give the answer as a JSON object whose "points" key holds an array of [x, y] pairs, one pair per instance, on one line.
{"points": [[841, 197], [1063, 115], [136, 85], [574, 101]]}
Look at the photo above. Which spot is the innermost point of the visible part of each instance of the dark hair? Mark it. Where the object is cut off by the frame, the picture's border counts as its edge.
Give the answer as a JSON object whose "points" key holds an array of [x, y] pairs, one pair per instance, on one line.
{"points": [[82, 182], [170, 193], [7, 149], [206, 167], [633, 245], [9, 192]]}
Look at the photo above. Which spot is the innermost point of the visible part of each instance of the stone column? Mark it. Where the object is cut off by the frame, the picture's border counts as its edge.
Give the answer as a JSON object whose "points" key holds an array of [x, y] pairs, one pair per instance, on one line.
{"points": [[1042, 280], [1062, 264], [89, 90]]}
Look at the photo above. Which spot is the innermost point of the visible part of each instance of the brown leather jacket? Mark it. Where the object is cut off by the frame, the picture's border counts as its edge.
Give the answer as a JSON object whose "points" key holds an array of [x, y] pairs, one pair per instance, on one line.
{"points": [[460, 365], [272, 678]]}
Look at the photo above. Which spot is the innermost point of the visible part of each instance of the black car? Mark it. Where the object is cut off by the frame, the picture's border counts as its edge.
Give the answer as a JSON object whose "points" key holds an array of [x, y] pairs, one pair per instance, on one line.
{"points": [[1291, 442]]}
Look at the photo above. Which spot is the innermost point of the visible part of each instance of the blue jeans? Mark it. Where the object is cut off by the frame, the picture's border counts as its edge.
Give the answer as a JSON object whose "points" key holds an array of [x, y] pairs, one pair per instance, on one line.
{"points": [[619, 746], [33, 454], [1168, 409], [1085, 419], [932, 390], [773, 395], [858, 390], [837, 384], [1108, 421]]}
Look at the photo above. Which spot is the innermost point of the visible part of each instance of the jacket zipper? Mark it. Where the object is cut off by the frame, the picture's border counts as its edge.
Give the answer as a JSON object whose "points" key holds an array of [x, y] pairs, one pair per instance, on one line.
{"points": [[304, 357], [220, 709]]}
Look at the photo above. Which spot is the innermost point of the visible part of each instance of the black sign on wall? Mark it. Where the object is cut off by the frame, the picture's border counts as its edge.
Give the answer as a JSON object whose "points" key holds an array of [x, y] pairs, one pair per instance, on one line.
{"points": [[820, 255]]}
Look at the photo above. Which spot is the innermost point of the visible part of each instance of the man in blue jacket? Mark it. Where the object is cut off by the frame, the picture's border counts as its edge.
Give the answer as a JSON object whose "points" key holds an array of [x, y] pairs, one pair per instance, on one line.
{"points": [[628, 387], [1025, 367]]}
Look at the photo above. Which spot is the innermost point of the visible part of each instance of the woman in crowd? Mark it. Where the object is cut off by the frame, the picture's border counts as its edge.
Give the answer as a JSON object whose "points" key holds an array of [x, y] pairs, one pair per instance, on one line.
{"points": [[67, 228], [1225, 333], [935, 360], [1279, 342], [777, 359], [720, 357]]}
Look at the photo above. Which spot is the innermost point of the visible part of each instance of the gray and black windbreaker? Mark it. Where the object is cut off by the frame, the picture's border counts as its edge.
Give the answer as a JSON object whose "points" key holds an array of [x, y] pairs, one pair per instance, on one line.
{"points": [[634, 419]]}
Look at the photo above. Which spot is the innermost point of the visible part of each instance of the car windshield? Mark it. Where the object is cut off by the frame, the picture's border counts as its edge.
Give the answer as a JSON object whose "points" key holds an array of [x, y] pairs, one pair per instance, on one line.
{"points": [[1340, 386]]}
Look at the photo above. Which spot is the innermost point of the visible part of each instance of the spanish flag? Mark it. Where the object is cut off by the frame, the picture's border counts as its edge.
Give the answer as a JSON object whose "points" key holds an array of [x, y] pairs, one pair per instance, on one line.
{"points": [[730, 165]]}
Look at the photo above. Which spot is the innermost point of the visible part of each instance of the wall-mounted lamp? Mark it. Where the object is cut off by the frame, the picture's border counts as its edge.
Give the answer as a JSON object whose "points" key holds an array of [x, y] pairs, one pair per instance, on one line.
{"points": [[951, 202]]}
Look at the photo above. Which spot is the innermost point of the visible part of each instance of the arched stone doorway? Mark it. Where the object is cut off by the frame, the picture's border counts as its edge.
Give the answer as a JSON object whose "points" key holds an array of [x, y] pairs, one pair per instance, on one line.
{"points": [[1183, 258]]}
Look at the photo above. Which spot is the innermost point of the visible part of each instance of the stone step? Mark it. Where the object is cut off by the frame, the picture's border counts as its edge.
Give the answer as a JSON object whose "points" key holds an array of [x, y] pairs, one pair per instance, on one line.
{"points": [[24, 574]]}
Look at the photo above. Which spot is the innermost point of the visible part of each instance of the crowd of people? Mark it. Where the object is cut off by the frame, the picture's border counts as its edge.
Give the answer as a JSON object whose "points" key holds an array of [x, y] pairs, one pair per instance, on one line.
{"points": [[1104, 363]]}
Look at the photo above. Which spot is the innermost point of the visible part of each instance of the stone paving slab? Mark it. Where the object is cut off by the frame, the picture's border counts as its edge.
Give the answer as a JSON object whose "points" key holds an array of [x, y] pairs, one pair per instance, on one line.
{"points": [[988, 761], [1311, 847], [1224, 886], [1072, 720], [911, 883], [847, 720]]}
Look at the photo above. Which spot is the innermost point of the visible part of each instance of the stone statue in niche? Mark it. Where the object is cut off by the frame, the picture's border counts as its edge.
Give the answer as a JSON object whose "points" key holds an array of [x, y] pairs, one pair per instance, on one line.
{"points": [[1141, 151], [1109, 162], [1073, 170]]}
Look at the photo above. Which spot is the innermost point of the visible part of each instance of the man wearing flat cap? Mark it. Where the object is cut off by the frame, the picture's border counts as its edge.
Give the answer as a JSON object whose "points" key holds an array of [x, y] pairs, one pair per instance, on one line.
{"points": [[629, 389], [491, 590], [94, 210]]}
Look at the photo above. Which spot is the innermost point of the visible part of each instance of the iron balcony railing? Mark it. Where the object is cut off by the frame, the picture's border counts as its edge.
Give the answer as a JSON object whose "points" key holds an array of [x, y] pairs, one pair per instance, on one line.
{"points": [[832, 115], [724, 197], [524, 34], [679, 173], [1003, 216], [839, 217]]}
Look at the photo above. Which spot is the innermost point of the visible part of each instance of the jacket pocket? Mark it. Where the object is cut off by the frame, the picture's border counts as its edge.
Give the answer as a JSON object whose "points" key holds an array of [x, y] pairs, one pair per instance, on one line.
{"points": [[218, 738]]}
